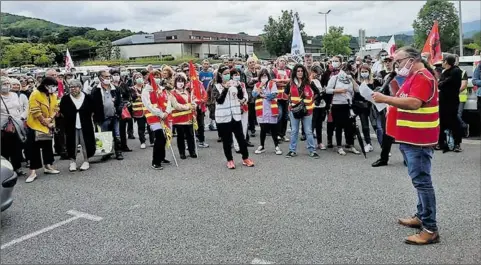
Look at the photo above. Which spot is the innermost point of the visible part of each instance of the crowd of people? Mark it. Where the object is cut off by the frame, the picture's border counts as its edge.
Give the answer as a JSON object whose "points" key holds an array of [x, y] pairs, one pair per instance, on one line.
{"points": [[236, 95], [58, 113]]}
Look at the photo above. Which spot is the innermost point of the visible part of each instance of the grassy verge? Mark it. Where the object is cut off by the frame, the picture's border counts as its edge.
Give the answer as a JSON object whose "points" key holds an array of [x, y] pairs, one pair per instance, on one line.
{"points": [[146, 61]]}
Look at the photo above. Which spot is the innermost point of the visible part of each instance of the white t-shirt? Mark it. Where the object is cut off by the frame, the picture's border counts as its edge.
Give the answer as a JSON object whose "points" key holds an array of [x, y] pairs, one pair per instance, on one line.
{"points": [[78, 103]]}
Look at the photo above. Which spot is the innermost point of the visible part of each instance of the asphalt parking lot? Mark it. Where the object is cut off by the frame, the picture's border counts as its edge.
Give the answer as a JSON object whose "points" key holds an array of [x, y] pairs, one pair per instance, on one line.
{"points": [[332, 210]]}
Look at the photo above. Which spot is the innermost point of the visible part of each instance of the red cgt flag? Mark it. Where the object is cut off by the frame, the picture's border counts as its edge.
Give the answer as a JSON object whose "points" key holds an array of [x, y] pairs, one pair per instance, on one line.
{"points": [[433, 45], [194, 78]]}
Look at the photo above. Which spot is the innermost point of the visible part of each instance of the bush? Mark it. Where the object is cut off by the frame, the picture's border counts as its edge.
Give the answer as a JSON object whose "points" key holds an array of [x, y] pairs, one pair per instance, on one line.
{"points": [[168, 58]]}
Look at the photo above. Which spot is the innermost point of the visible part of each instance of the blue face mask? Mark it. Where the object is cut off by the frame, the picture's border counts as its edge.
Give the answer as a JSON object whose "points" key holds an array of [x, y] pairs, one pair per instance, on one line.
{"points": [[139, 80], [236, 78], [238, 67], [226, 77]]}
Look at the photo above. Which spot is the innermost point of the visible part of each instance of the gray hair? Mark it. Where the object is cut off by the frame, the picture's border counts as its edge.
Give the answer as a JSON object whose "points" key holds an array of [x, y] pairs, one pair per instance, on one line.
{"points": [[74, 83], [14, 81]]}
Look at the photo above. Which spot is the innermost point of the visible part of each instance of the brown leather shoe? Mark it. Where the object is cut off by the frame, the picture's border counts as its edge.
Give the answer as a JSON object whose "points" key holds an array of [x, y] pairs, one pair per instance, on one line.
{"points": [[412, 222], [423, 238]]}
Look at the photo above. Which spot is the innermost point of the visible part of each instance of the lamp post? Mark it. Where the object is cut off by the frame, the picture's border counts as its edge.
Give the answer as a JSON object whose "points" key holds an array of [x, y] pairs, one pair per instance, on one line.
{"points": [[461, 50], [325, 20]]}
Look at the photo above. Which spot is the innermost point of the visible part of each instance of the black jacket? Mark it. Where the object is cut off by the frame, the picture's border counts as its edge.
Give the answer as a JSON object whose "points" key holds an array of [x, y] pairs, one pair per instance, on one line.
{"points": [[98, 103], [449, 85]]}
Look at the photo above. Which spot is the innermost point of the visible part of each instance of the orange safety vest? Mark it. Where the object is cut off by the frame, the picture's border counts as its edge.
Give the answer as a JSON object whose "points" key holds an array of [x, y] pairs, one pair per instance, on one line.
{"points": [[138, 107], [308, 96], [260, 102], [158, 101], [280, 89], [417, 127], [181, 116]]}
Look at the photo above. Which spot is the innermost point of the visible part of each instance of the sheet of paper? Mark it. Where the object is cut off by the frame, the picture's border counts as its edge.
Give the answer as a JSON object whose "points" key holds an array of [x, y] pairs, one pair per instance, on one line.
{"points": [[366, 93]]}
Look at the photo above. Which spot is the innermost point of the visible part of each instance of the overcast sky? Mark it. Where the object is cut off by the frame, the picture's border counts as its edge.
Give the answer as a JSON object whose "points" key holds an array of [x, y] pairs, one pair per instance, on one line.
{"points": [[377, 17]]}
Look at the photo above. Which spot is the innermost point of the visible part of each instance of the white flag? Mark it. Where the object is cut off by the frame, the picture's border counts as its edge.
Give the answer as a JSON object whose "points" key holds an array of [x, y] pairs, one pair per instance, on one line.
{"points": [[297, 47], [68, 62], [391, 46]]}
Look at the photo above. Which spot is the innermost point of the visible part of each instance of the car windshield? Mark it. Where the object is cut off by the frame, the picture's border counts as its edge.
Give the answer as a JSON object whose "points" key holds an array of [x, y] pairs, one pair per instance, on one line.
{"points": [[468, 67]]}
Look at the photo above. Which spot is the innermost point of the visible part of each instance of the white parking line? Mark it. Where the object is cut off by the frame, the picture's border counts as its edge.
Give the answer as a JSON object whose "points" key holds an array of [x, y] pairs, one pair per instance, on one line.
{"points": [[76, 215], [260, 261]]}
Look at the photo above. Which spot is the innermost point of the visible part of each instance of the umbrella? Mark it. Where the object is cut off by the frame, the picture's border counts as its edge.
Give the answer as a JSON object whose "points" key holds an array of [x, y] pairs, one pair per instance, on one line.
{"points": [[358, 135]]}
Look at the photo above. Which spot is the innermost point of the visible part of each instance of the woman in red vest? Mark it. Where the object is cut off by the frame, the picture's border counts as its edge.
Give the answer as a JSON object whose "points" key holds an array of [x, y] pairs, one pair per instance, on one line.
{"points": [[416, 113], [299, 90], [183, 115], [265, 94]]}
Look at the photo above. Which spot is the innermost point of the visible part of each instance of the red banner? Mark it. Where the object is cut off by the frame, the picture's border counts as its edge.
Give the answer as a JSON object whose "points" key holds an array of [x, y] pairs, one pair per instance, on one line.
{"points": [[433, 45]]}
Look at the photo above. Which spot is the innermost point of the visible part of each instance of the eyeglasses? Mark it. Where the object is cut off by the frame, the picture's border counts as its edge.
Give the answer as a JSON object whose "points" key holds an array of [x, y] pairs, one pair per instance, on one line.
{"points": [[398, 62]]}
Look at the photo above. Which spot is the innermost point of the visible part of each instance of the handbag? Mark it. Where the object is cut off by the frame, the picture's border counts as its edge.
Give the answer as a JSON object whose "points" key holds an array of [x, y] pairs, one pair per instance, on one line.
{"points": [[299, 110], [125, 115], [9, 126]]}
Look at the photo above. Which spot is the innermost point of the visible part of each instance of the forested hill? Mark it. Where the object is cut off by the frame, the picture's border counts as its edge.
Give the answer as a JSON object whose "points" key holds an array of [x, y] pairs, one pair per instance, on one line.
{"points": [[41, 31]]}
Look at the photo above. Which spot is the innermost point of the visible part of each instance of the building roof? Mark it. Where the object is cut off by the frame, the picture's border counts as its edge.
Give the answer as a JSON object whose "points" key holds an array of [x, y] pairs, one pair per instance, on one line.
{"points": [[135, 39]]}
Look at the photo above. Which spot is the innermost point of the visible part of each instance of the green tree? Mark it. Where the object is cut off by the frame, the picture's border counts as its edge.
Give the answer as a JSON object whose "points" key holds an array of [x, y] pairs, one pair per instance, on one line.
{"points": [[116, 53], [277, 35], [445, 13], [335, 42], [78, 42], [104, 50]]}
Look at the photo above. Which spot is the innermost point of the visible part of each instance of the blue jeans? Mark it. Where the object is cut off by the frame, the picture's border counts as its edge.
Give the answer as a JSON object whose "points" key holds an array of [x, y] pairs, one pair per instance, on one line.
{"points": [[307, 121], [111, 124], [460, 114], [418, 160]]}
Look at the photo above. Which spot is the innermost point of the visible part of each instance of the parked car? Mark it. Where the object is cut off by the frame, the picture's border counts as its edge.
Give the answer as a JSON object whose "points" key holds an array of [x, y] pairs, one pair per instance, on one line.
{"points": [[8, 179], [471, 114]]}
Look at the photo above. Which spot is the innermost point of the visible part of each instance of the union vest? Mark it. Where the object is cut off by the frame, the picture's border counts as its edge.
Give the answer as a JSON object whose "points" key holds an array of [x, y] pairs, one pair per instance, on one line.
{"points": [[463, 96], [158, 101], [280, 90], [230, 109], [181, 116], [260, 102], [296, 97], [416, 127], [138, 107]]}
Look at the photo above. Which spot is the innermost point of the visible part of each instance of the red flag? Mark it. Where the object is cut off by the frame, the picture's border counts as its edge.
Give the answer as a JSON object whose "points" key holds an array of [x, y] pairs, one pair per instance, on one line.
{"points": [[194, 78], [152, 82], [60, 89], [433, 45]]}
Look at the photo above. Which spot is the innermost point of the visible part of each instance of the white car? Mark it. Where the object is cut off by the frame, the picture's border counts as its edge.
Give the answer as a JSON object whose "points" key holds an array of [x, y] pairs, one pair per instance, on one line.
{"points": [[8, 179]]}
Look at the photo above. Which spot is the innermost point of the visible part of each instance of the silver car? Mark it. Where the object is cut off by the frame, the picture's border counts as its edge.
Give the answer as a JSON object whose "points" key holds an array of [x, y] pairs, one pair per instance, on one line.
{"points": [[8, 179]]}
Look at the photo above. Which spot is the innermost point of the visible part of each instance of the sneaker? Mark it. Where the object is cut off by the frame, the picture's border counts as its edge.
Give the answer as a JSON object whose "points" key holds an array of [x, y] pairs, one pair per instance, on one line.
{"points": [[50, 171], [260, 150], [85, 166], [142, 146], [165, 161], [291, 154], [368, 148], [458, 149], [203, 145], [353, 150], [278, 151], [126, 149], [157, 167], [193, 155], [248, 162], [31, 178], [285, 139], [237, 149], [73, 167], [322, 146], [119, 157], [279, 138], [182, 156], [424, 237], [314, 155], [341, 151], [231, 164], [390, 154]]}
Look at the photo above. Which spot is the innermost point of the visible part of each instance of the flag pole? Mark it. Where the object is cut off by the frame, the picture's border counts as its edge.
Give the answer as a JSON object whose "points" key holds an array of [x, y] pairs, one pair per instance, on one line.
{"points": [[193, 116]]}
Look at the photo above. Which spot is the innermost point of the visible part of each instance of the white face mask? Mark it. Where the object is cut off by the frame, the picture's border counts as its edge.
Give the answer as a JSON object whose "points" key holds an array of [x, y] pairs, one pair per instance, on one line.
{"points": [[364, 75], [336, 64], [236, 78], [52, 89], [106, 81], [116, 78], [405, 71], [180, 85], [264, 80], [5, 89]]}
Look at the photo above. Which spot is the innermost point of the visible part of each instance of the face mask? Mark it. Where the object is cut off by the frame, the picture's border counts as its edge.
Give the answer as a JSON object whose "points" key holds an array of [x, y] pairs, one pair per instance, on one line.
{"points": [[264, 80], [5, 89], [383, 57], [358, 62], [238, 66], [342, 75], [139, 80], [116, 78], [236, 78], [405, 71], [52, 89], [364, 75], [106, 81], [75, 92], [336, 64], [226, 77], [157, 80], [180, 85]]}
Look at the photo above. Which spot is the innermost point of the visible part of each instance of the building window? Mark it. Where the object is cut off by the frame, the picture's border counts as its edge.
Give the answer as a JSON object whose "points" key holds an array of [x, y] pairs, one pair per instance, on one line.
{"points": [[171, 37], [207, 38]]}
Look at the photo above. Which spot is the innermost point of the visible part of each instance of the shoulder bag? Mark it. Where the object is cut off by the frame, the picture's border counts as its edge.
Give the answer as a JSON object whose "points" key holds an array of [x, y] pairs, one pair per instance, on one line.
{"points": [[299, 110]]}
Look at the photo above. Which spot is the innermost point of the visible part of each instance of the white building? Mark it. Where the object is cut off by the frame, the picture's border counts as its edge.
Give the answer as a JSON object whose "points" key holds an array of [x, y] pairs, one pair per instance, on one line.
{"points": [[372, 49], [177, 43]]}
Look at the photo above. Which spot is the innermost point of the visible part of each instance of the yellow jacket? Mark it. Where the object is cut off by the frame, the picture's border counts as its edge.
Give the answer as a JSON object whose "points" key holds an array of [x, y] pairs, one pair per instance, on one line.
{"points": [[39, 105]]}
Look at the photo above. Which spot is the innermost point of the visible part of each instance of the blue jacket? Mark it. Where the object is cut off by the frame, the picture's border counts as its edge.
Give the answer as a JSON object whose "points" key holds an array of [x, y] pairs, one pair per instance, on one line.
{"points": [[477, 79]]}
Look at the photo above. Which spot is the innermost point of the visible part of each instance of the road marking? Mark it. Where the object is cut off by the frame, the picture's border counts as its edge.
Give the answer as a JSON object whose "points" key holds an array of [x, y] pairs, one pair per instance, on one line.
{"points": [[76, 215], [260, 261], [261, 203]]}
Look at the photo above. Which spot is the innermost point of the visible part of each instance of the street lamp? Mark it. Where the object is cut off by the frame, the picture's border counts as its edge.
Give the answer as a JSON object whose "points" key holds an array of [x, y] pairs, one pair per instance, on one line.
{"points": [[461, 50], [325, 19]]}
